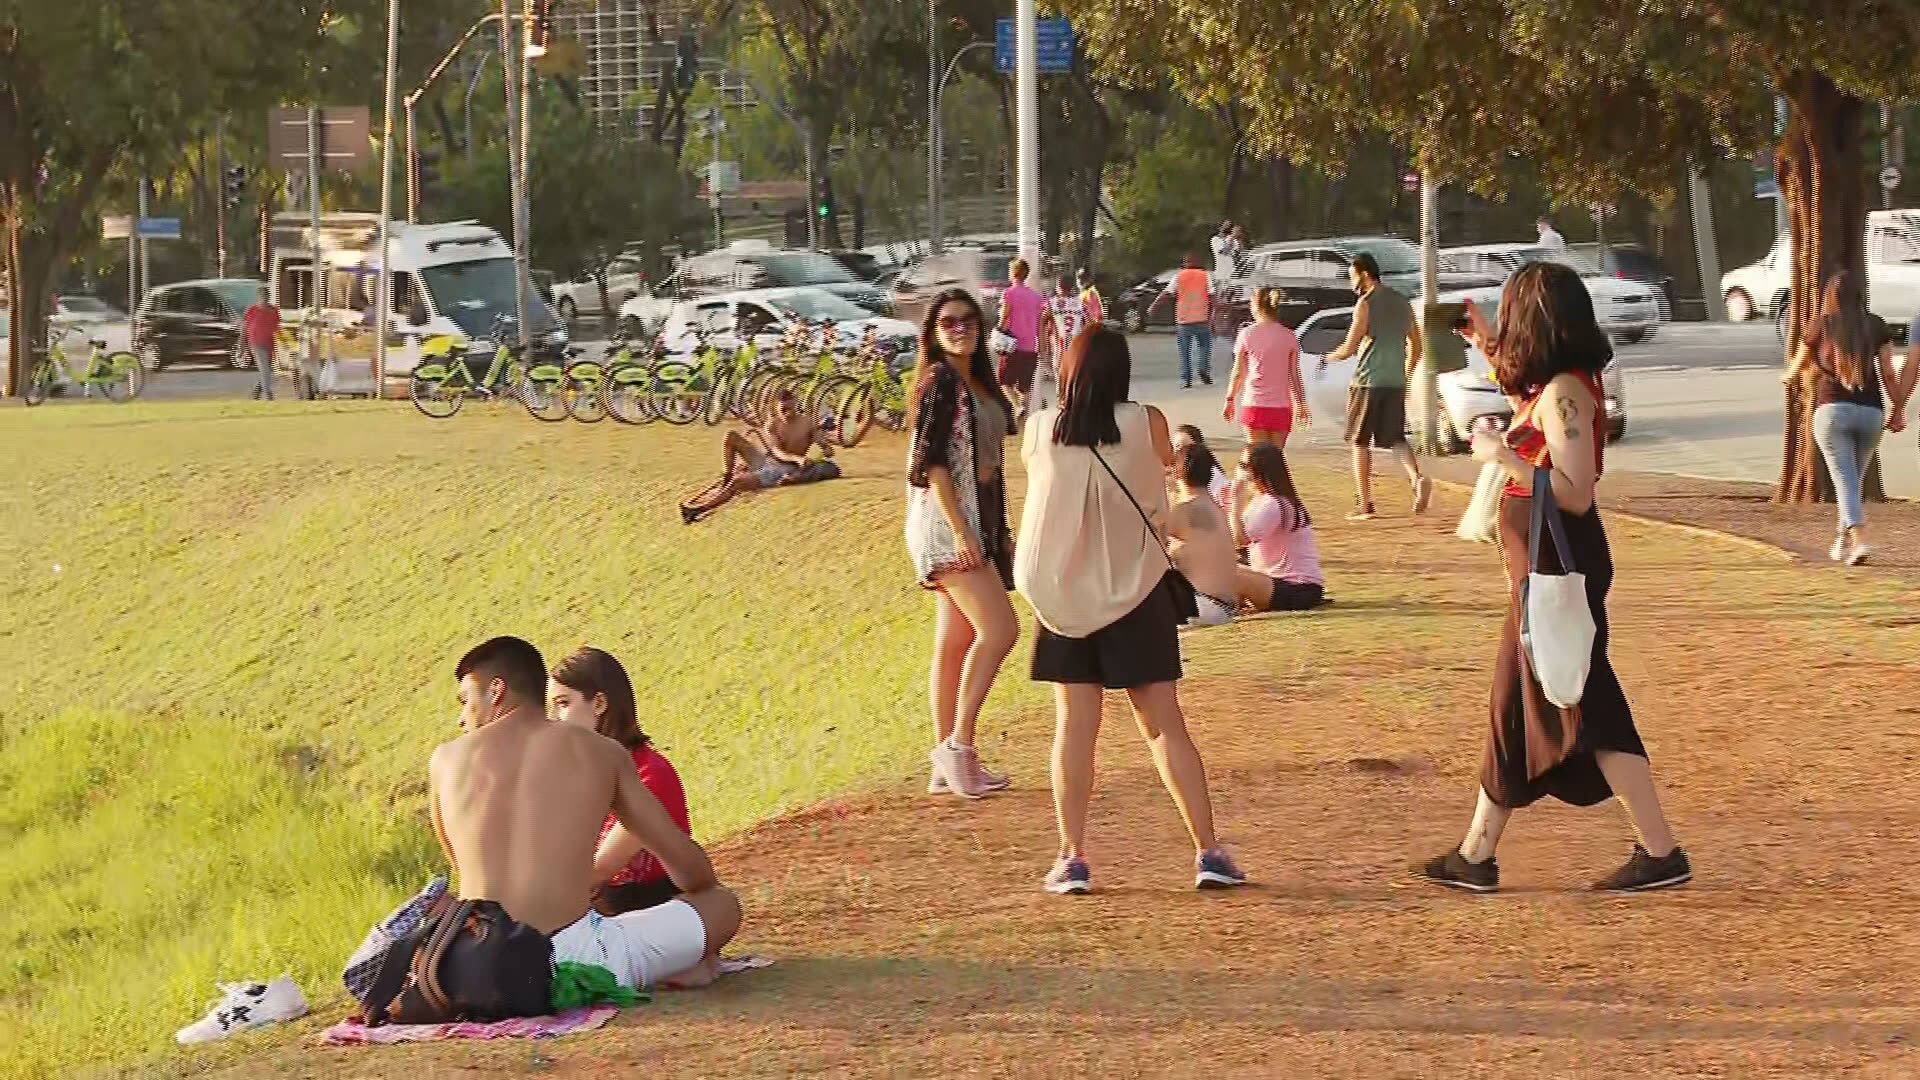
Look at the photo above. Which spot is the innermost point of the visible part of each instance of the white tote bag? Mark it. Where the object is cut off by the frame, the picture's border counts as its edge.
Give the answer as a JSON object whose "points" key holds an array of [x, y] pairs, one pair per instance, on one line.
{"points": [[1556, 626], [1481, 523]]}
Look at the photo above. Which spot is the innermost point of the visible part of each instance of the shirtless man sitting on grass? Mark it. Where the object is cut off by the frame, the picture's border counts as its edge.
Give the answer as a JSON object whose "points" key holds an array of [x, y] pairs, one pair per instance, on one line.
{"points": [[789, 436], [517, 804], [1200, 540]]}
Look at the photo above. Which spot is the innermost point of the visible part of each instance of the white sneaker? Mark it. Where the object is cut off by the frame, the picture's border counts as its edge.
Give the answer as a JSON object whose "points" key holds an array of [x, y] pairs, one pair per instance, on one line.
{"points": [[1859, 555], [243, 1006], [1838, 552]]}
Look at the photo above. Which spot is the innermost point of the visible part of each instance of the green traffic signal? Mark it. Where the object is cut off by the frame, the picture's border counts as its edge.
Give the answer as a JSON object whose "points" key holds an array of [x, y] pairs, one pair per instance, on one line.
{"points": [[824, 210]]}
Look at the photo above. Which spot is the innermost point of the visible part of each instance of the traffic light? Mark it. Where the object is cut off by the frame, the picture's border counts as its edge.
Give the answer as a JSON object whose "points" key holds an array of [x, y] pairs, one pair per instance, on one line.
{"points": [[233, 182], [539, 27], [824, 205], [686, 61]]}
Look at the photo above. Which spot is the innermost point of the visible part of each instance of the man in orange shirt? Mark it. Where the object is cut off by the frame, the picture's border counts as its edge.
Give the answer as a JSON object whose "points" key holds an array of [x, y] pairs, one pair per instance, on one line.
{"points": [[1192, 317]]}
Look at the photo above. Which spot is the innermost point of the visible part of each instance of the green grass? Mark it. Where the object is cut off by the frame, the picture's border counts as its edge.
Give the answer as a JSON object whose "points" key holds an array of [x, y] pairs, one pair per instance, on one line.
{"points": [[227, 633]]}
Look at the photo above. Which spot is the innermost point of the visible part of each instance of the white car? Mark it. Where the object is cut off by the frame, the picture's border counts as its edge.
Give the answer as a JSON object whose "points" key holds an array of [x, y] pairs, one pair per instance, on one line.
{"points": [[1465, 394], [1759, 290], [1628, 311], [764, 315], [626, 279]]}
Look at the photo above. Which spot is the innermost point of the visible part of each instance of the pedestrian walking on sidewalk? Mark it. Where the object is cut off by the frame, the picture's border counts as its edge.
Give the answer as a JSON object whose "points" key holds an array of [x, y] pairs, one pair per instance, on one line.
{"points": [[1386, 338], [1266, 393], [1021, 310], [1549, 352], [259, 327], [1550, 237], [1192, 321], [1107, 601], [1845, 360], [957, 531]]}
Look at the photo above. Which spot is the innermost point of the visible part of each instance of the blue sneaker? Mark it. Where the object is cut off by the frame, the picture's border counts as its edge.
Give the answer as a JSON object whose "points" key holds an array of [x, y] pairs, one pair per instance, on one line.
{"points": [[1214, 870], [1069, 876]]}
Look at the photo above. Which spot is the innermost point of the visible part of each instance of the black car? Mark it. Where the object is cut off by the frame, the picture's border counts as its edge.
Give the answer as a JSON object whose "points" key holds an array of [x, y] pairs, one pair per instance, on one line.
{"points": [[1631, 262], [1135, 311], [193, 321]]}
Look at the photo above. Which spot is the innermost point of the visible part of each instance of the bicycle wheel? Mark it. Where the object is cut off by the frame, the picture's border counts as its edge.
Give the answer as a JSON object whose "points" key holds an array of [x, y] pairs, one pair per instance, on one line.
{"points": [[625, 396], [585, 402], [675, 398], [126, 377], [720, 399], [543, 392], [434, 393], [855, 414], [39, 384]]}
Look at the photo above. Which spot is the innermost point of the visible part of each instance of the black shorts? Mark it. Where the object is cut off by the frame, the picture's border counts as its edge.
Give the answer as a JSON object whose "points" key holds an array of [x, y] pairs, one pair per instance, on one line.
{"points": [[1377, 416], [1016, 370], [1289, 596], [1140, 649]]}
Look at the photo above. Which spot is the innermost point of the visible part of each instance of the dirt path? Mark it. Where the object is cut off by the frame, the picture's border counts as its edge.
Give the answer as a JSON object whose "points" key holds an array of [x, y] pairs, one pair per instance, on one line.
{"points": [[1781, 709]]}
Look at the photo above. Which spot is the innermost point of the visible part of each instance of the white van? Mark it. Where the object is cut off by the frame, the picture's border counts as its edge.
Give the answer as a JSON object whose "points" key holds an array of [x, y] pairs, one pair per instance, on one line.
{"points": [[1759, 291], [455, 278]]}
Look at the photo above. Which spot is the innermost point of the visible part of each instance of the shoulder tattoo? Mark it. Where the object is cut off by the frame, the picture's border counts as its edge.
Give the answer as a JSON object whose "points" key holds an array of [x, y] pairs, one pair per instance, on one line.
{"points": [[1569, 415]]}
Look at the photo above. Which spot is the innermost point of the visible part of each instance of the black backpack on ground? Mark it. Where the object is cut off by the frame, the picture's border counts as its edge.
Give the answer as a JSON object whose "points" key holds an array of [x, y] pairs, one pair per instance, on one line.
{"points": [[469, 961]]}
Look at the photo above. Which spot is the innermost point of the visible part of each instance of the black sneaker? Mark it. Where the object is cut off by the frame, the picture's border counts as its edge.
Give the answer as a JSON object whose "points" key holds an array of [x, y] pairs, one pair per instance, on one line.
{"points": [[1206, 380], [688, 515], [1454, 871], [1644, 873]]}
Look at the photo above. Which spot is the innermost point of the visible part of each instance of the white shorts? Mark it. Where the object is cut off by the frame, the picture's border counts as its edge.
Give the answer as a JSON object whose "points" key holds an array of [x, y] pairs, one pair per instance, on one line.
{"points": [[639, 947], [1213, 611]]}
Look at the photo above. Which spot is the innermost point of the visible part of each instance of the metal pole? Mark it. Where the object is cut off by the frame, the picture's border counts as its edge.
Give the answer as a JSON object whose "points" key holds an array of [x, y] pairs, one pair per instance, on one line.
{"points": [[933, 129], [1886, 152], [316, 275], [1026, 95], [413, 167], [939, 158], [133, 255], [478, 70], [220, 197], [1426, 397], [525, 266], [714, 125], [514, 179], [813, 219], [146, 188], [383, 303], [1705, 246]]}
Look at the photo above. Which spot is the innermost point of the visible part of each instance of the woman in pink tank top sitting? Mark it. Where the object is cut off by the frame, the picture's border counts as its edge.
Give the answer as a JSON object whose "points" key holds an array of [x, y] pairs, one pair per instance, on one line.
{"points": [[1270, 521]]}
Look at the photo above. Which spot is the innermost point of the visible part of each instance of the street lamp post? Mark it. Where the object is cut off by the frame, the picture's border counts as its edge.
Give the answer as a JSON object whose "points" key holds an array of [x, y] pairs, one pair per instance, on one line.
{"points": [[933, 129], [1026, 98], [936, 152], [514, 179], [383, 302]]}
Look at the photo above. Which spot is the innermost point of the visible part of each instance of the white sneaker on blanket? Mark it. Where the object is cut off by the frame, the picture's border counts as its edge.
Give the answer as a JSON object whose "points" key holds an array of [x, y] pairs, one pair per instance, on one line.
{"points": [[243, 1006]]}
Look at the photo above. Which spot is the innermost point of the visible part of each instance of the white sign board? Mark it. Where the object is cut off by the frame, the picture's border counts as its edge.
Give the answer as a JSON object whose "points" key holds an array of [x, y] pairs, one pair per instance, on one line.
{"points": [[723, 177], [116, 227]]}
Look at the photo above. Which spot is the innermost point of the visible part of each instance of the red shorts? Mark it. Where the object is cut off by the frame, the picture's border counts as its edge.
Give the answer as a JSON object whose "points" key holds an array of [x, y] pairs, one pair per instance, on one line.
{"points": [[1265, 418], [1017, 369]]}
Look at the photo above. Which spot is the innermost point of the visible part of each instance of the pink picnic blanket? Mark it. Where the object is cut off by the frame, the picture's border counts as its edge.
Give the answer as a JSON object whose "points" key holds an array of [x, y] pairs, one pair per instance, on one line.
{"points": [[352, 1032]]}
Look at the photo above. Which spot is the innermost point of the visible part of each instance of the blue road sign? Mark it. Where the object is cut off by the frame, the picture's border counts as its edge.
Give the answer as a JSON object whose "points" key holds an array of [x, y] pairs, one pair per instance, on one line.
{"points": [[1052, 46], [157, 228]]}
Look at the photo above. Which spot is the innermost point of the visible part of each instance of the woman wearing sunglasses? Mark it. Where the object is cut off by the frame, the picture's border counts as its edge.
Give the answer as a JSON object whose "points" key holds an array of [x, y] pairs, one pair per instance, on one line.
{"points": [[957, 530]]}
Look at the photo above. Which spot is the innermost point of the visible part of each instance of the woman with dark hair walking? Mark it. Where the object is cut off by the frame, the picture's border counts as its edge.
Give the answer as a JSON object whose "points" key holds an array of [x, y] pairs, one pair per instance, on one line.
{"points": [[957, 531], [1548, 354], [591, 689], [1107, 602], [1845, 361]]}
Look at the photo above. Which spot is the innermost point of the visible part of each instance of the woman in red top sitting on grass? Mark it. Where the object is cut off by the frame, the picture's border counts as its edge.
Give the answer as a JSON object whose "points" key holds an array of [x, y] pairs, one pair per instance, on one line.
{"points": [[590, 689]]}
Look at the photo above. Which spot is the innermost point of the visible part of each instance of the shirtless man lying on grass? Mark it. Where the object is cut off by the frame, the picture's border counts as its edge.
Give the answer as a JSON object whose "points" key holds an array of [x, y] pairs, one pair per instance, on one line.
{"points": [[517, 804], [789, 436]]}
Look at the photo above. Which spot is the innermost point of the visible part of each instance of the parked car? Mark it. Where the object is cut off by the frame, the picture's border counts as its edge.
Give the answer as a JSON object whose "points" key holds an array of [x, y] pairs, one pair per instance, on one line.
{"points": [[1465, 394], [1760, 290], [193, 321], [864, 265], [1328, 260], [1133, 308], [983, 271], [625, 279], [1627, 311], [754, 264], [765, 314], [95, 319], [1631, 262]]}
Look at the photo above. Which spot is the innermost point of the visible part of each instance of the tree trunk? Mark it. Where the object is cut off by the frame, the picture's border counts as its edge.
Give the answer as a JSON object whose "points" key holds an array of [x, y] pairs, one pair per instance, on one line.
{"points": [[1280, 177], [1822, 177], [18, 351]]}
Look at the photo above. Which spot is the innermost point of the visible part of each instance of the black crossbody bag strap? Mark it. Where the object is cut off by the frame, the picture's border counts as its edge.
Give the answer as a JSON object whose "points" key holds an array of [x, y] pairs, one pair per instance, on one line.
{"points": [[1144, 519]]}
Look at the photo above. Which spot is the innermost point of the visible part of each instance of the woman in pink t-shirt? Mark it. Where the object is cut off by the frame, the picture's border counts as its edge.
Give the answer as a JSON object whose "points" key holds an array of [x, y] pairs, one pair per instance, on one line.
{"points": [[1268, 518], [1265, 393]]}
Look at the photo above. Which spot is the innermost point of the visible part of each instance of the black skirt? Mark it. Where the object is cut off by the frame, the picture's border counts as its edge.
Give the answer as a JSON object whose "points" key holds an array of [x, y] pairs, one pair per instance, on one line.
{"points": [[1141, 648], [1537, 748]]}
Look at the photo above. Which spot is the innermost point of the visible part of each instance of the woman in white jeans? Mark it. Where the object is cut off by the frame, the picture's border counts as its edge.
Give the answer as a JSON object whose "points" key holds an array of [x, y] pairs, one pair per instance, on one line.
{"points": [[1844, 360]]}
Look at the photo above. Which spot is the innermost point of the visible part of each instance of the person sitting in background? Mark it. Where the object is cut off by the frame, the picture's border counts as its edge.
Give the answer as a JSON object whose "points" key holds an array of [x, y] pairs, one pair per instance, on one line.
{"points": [[517, 802], [1199, 540], [788, 437], [1219, 486], [1268, 518], [590, 689]]}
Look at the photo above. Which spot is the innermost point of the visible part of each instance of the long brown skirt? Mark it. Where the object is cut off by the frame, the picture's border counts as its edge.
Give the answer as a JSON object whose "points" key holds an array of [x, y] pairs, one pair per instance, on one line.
{"points": [[1537, 748]]}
